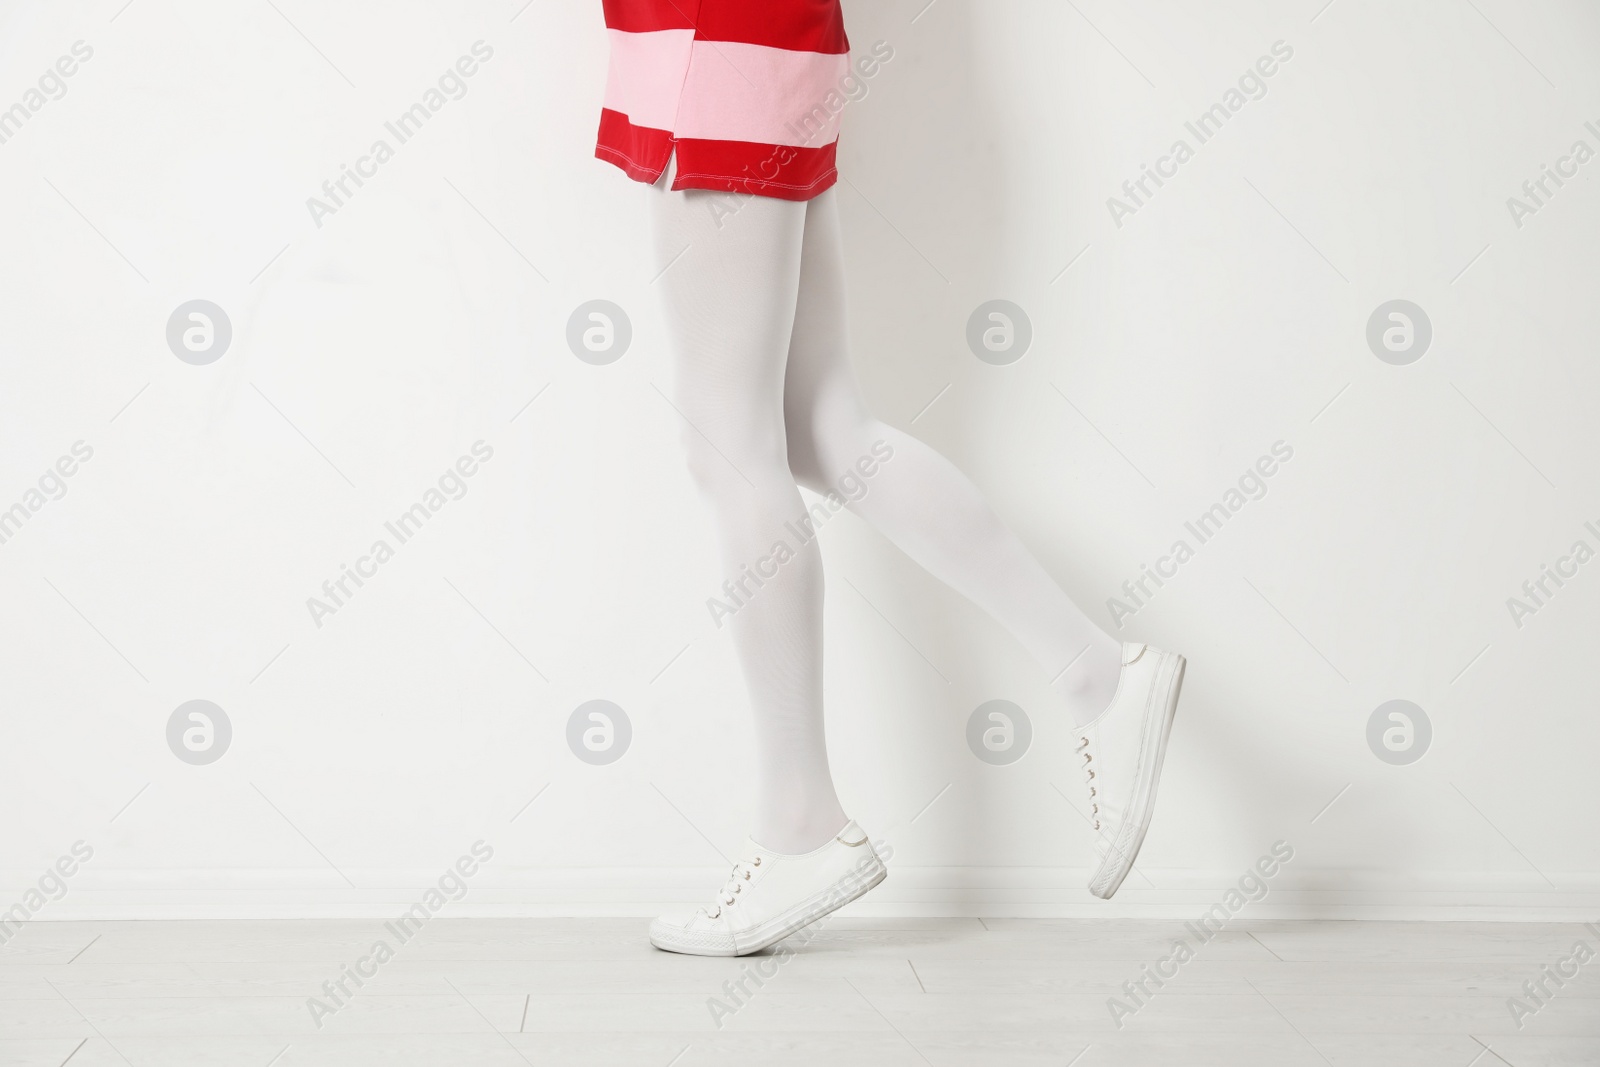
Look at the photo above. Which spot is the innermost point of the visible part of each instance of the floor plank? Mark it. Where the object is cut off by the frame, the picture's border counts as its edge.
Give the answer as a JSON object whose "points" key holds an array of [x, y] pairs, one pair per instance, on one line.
{"points": [[941, 992]]}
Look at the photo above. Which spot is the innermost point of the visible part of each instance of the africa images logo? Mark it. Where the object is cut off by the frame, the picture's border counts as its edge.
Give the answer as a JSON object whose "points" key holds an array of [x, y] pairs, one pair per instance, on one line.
{"points": [[451, 85], [1251, 85]]}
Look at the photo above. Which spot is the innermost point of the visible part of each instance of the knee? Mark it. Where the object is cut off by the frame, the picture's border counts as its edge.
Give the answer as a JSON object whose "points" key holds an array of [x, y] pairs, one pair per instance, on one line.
{"points": [[842, 448], [729, 460]]}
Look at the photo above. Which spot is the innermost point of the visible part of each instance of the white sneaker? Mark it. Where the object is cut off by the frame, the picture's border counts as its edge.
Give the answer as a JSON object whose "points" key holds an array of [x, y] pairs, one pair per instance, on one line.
{"points": [[769, 896], [1122, 754]]}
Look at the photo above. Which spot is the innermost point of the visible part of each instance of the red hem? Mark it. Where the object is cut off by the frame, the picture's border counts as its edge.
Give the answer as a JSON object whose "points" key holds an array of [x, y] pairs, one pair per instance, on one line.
{"points": [[638, 172], [642, 153], [716, 182], [783, 171]]}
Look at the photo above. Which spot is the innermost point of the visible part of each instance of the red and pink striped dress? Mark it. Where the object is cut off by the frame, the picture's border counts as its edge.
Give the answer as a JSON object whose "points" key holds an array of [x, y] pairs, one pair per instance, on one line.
{"points": [[743, 90]]}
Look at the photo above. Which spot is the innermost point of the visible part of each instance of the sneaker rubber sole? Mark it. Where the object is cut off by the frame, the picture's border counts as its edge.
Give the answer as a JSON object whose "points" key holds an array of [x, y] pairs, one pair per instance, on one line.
{"points": [[1108, 879], [851, 887]]}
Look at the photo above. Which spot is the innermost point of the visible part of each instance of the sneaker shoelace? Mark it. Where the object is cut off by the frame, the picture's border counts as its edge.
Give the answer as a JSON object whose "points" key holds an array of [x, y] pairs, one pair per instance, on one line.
{"points": [[1088, 758], [729, 894]]}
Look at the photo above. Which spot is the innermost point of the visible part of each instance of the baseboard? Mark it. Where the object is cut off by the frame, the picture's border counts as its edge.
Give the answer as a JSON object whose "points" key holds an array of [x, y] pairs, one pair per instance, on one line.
{"points": [[1033, 892]]}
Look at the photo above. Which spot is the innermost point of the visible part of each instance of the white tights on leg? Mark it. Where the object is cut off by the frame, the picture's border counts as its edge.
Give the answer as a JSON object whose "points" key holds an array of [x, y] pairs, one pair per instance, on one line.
{"points": [[756, 312]]}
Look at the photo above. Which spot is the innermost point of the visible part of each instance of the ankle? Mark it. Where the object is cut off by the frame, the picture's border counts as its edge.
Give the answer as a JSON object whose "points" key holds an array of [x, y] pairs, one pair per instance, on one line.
{"points": [[1088, 686], [794, 833]]}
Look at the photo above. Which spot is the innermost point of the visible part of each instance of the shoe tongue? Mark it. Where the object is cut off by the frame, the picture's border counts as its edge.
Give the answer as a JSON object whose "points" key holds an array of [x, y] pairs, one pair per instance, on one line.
{"points": [[1131, 651]]}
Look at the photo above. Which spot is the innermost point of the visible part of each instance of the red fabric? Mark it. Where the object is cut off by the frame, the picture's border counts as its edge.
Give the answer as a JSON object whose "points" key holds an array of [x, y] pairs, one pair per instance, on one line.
{"points": [[728, 166], [762, 169], [641, 152], [641, 16], [804, 25], [807, 25], [789, 173]]}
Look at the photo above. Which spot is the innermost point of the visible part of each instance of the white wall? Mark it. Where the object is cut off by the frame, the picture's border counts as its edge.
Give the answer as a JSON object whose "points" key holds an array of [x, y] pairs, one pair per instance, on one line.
{"points": [[369, 353]]}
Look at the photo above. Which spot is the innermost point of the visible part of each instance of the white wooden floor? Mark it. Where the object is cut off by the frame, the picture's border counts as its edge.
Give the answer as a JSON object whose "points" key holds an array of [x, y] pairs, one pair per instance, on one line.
{"points": [[502, 993]]}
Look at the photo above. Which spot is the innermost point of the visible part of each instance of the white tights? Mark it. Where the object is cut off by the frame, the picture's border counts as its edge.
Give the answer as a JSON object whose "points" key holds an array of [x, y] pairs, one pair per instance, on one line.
{"points": [[755, 307]]}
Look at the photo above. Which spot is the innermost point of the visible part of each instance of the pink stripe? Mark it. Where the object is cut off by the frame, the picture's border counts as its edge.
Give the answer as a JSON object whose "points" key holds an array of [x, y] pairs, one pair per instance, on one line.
{"points": [[750, 92], [647, 71]]}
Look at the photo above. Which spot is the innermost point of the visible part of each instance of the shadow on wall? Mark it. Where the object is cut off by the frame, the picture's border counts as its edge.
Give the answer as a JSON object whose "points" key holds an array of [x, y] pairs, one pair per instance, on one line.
{"points": [[923, 169], [931, 156], [971, 176]]}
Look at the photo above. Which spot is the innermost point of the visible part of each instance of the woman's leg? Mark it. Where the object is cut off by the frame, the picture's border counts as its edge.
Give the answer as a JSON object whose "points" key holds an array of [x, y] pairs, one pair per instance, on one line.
{"points": [[729, 308], [919, 499]]}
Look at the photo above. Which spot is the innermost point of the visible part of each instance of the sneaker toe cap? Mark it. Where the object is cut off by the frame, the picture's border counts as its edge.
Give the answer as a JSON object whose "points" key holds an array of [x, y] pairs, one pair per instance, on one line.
{"points": [[692, 932], [681, 923]]}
